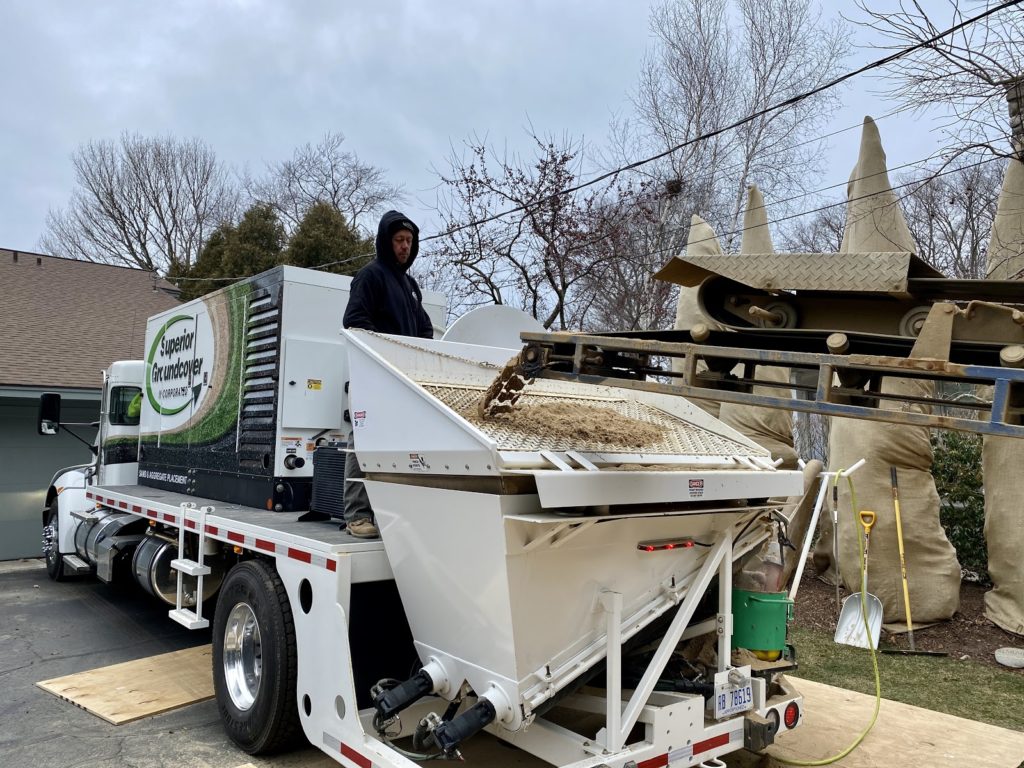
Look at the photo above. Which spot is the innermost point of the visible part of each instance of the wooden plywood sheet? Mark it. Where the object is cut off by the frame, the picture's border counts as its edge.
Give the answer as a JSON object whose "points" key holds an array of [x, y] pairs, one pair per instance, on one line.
{"points": [[124, 692], [903, 735]]}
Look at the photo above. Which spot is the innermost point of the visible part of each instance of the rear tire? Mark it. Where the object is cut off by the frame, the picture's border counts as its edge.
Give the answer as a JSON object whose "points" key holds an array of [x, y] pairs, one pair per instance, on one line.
{"points": [[254, 660], [51, 543]]}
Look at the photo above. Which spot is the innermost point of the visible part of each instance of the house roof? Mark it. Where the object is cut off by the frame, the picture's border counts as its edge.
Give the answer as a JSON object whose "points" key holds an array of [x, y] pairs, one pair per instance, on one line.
{"points": [[63, 321]]}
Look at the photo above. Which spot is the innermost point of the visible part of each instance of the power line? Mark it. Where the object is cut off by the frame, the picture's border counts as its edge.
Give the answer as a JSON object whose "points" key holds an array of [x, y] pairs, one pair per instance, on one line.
{"points": [[793, 100], [242, 277], [798, 214], [741, 230]]}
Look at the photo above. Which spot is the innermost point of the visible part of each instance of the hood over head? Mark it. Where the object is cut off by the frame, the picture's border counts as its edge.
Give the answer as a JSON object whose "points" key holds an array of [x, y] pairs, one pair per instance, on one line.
{"points": [[390, 223]]}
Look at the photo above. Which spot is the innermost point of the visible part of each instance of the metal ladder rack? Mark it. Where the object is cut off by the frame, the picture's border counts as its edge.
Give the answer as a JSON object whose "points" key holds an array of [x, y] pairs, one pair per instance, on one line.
{"points": [[191, 618], [847, 385]]}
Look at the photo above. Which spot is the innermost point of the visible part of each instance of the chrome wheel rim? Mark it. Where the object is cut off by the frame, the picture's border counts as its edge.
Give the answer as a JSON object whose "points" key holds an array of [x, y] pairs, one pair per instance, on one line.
{"points": [[243, 656]]}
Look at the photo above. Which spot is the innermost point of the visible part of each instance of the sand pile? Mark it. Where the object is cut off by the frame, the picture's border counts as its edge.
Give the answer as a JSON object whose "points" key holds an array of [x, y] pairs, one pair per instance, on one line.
{"points": [[576, 421]]}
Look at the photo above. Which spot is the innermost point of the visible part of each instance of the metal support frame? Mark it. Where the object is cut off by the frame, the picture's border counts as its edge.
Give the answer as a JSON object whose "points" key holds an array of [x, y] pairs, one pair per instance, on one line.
{"points": [[1003, 416], [621, 721]]}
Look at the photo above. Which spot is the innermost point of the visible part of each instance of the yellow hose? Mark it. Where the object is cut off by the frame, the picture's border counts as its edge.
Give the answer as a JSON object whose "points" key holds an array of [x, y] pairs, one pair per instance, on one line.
{"points": [[874, 655]]}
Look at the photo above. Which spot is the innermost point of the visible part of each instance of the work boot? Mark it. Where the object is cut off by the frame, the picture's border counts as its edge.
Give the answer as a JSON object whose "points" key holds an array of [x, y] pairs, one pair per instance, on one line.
{"points": [[363, 529]]}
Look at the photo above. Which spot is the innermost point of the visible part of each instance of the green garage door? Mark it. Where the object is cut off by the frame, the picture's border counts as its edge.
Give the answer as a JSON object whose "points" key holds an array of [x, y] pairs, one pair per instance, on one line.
{"points": [[27, 463]]}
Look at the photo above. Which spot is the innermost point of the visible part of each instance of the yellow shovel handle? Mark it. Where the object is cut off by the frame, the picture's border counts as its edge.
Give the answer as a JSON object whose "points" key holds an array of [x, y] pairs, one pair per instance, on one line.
{"points": [[867, 519]]}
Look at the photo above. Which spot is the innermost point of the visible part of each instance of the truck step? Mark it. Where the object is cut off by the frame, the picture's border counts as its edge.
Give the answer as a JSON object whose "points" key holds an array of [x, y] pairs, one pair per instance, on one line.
{"points": [[190, 567], [76, 565], [85, 515], [188, 619]]}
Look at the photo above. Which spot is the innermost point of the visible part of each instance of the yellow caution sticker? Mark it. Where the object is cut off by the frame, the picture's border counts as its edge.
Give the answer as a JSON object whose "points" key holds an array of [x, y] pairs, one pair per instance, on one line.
{"points": [[316, 384]]}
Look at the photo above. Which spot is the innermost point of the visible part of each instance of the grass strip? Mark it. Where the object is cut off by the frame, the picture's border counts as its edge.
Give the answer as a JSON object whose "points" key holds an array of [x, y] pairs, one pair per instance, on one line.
{"points": [[944, 684]]}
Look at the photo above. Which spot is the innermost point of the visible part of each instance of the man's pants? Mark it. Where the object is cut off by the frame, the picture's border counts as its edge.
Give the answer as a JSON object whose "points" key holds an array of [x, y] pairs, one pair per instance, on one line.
{"points": [[357, 504]]}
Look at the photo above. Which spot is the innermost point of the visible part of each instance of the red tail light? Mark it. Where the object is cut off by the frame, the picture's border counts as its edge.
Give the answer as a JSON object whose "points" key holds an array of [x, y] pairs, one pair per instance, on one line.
{"points": [[791, 715], [663, 544]]}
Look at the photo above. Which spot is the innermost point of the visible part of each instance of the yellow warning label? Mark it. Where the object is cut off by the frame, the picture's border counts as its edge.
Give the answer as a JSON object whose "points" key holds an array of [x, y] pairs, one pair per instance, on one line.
{"points": [[317, 384]]}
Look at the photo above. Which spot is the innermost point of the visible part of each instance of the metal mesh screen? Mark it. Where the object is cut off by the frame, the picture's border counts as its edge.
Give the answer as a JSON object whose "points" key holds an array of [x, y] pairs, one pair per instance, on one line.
{"points": [[680, 438]]}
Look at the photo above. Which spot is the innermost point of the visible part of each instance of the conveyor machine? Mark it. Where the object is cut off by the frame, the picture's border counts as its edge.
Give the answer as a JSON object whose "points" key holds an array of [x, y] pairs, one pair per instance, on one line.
{"points": [[533, 551]]}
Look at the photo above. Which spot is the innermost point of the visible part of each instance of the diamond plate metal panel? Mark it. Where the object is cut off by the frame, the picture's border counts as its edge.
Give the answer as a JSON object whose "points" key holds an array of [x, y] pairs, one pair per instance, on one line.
{"points": [[861, 272]]}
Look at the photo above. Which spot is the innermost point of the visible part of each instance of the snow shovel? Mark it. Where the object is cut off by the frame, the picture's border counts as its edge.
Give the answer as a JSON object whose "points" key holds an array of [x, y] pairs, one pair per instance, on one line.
{"points": [[860, 621]]}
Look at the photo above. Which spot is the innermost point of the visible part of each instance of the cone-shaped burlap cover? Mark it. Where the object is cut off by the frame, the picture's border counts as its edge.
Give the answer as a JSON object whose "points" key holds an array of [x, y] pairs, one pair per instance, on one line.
{"points": [[771, 428], [875, 223], [701, 241], [1003, 457], [1006, 246]]}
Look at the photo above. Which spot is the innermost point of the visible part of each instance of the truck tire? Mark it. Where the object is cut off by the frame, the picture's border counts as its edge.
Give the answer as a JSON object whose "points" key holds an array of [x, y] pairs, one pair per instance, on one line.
{"points": [[51, 543], [254, 660]]}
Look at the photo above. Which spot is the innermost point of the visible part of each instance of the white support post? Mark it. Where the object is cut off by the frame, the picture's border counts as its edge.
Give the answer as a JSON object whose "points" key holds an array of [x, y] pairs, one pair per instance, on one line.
{"points": [[812, 526], [724, 628], [612, 603], [675, 631]]}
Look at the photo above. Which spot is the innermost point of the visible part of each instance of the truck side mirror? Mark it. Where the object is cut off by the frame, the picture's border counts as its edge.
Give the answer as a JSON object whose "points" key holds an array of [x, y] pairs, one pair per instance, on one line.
{"points": [[49, 413]]}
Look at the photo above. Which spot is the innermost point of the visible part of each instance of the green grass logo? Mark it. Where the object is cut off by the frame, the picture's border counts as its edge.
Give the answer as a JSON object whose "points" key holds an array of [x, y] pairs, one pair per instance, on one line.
{"points": [[176, 365]]}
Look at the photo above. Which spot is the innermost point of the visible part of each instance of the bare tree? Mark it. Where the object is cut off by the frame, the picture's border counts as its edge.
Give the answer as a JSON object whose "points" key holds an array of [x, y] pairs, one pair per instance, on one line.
{"points": [[546, 257], [625, 295], [950, 216], [142, 202], [965, 74], [715, 62], [324, 173], [818, 232]]}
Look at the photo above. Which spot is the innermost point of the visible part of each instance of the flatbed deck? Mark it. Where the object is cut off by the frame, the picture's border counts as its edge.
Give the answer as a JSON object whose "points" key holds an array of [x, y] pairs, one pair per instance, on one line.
{"points": [[317, 541]]}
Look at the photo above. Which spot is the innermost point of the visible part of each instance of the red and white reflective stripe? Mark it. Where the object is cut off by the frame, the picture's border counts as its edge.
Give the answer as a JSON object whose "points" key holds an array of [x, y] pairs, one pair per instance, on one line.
{"points": [[254, 543], [258, 544], [692, 750], [350, 755]]}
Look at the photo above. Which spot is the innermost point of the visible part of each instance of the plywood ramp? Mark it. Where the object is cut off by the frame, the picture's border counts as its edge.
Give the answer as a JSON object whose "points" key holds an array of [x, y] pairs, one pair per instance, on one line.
{"points": [[135, 689], [833, 717], [903, 735]]}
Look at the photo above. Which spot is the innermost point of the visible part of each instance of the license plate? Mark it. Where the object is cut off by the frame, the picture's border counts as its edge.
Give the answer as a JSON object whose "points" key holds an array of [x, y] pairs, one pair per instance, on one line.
{"points": [[731, 699]]}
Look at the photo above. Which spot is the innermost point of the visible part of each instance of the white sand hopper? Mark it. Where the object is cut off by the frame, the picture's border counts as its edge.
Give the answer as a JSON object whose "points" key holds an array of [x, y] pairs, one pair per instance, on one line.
{"points": [[552, 562]]}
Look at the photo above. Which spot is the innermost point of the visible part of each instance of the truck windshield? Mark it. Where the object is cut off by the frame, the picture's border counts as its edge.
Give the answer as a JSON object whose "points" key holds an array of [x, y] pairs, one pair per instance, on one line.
{"points": [[125, 406]]}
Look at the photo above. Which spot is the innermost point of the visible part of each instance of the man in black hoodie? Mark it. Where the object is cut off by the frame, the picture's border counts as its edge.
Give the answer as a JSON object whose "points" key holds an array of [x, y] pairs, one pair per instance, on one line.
{"points": [[383, 298]]}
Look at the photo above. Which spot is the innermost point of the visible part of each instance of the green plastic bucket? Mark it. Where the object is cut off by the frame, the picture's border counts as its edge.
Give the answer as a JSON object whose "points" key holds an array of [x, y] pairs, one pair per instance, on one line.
{"points": [[759, 619]]}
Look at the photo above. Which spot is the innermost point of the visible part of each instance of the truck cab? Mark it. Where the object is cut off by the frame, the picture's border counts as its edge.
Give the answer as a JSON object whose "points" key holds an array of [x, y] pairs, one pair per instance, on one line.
{"points": [[115, 462]]}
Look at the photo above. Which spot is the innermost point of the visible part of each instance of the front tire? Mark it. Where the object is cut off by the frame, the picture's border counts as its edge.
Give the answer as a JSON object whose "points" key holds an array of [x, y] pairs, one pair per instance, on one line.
{"points": [[51, 543], [254, 660]]}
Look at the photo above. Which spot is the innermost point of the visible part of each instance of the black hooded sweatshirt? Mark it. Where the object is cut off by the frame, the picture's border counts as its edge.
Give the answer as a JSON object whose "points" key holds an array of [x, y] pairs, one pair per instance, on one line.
{"points": [[383, 297]]}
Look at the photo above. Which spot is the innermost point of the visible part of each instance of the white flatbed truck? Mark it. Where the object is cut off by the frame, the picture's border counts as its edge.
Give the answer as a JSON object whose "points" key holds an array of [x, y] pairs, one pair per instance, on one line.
{"points": [[537, 585]]}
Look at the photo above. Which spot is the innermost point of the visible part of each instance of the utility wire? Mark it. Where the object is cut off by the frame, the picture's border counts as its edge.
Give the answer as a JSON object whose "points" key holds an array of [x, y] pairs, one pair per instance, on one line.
{"points": [[826, 207], [769, 153], [793, 100], [913, 164]]}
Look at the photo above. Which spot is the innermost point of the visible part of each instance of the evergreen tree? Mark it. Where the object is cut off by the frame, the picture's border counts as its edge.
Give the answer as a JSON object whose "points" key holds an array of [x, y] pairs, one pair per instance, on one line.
{"points": [[209, 263], [324, 237], [256, 245]]}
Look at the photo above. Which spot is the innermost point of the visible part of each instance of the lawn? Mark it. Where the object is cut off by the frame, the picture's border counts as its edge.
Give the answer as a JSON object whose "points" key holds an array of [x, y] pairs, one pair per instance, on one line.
{"points": [[945, 684]]}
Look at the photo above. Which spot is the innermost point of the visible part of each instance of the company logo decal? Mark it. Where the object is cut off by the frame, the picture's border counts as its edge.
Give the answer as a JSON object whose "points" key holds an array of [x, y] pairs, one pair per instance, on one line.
{"points": [[178, 364]]}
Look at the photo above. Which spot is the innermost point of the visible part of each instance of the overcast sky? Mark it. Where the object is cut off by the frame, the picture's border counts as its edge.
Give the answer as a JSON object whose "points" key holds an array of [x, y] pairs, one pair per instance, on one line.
{"points": [[256, 78]]}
